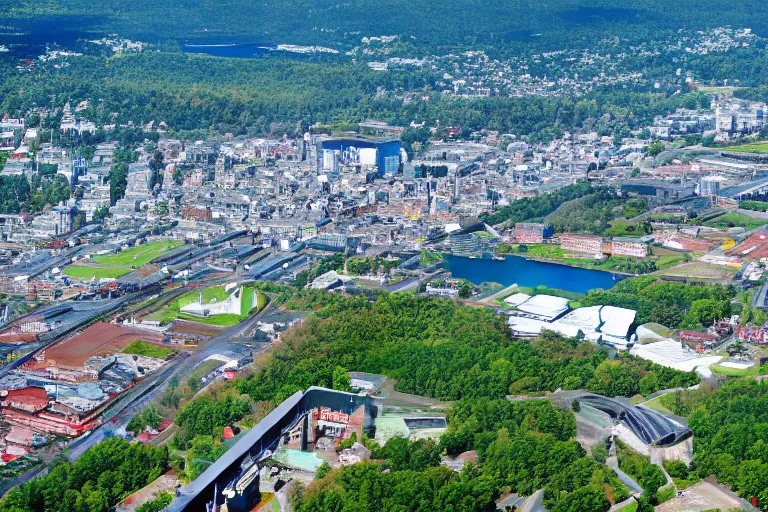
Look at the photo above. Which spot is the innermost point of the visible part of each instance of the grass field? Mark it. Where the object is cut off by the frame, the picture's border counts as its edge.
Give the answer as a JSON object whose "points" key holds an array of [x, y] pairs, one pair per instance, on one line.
{"points": [[85, 272], [204, 369], [730, 220], [735, 372], [752, 147], [120, 264], [139, 256], [666, 493], [172, 310], [657, 406], [142, 348]]}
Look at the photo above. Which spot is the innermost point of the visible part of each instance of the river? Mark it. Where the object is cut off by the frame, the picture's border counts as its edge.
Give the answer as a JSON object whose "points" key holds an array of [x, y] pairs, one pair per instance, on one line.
{"points": [[524, 272]]}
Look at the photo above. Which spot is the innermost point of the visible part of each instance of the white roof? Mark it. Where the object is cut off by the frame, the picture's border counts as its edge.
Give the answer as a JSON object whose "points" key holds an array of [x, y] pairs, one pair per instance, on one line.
{"points": [[451, 227], [516, 299], [617, 321], [547, 306], [670, 353], [527, 325]]}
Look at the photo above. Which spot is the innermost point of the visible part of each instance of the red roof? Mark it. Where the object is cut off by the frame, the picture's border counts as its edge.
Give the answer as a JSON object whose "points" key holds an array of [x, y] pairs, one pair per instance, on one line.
{"points": [[228, 433], [167, 422]]}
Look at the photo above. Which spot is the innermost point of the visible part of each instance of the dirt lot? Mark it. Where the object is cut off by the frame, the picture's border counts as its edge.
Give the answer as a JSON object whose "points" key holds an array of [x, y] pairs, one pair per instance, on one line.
{"points": [[701, 496], [100, 339]]}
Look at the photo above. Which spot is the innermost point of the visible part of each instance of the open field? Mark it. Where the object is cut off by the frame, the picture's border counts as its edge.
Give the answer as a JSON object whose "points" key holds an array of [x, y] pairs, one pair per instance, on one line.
{"points": [[735, 372], [142, 348], [112, 266], [697, 270], [752, 147], [86, 272], [726, 90], [172, 310], [136, 257], [656, 405], [730, 220]]}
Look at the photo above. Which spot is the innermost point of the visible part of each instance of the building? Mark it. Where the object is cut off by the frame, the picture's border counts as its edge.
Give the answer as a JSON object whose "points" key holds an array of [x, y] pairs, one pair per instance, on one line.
{"points": [[41, 290], [532, 233], [588, 244], [710, 185], [384, 154], [189, 212], [624, 246]]}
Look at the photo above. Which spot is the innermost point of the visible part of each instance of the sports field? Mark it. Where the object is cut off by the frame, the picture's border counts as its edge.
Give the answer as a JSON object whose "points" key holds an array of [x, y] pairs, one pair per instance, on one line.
{"points": [[136, 257], [120, 264]]}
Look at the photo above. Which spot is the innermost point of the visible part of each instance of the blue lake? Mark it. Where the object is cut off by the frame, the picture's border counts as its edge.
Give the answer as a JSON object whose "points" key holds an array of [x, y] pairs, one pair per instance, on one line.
{"points": [[517, 270]]}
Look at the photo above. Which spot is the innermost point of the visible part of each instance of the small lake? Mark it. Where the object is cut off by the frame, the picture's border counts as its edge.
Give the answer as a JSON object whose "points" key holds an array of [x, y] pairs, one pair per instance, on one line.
{"points": [[518, 270], [240, 51]]}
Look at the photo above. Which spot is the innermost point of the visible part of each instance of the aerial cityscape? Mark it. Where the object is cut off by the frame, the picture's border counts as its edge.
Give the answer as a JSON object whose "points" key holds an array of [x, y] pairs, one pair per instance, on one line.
{"points": [[375, 256]]}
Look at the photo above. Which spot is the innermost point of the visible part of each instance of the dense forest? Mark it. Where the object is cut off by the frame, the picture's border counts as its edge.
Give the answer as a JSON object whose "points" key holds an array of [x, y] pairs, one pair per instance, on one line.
{"points": [[529, 208], [212, 95], [444, 350], [667, 303], [98, 481], [432, 24]]}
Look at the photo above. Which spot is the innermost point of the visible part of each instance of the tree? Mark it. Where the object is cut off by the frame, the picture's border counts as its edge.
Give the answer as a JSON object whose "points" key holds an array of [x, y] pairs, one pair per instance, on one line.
{"points": [[341, 380], [655, 147]]}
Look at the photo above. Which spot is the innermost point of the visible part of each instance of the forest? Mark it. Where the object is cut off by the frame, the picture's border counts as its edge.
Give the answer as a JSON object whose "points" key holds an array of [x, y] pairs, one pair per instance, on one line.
{"points": [[102, 477], [209, 95], [443, 350], [429, 25], [530, 208], [672, 304]]}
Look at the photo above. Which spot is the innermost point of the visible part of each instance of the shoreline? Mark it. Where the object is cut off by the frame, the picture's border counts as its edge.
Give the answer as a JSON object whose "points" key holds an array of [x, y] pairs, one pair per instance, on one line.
{"points": [[552, 262]]}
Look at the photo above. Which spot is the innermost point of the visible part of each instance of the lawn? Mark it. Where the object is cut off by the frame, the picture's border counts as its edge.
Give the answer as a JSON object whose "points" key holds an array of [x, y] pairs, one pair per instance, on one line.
{"points": [[752, 147], [656, 405], [84, 272], [666, 493], [137, 256], [730, 220], [172, 310], [204, 369], [735, 372], [142, 348], [120, 264]]}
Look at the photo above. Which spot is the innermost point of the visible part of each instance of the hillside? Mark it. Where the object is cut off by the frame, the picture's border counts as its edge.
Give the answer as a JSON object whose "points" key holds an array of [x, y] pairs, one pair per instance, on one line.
{"points": [[427, 22]]}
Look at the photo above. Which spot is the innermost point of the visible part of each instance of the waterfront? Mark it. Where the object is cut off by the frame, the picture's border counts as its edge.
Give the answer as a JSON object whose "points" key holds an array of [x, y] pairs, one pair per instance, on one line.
{"points": [[525, 272]]}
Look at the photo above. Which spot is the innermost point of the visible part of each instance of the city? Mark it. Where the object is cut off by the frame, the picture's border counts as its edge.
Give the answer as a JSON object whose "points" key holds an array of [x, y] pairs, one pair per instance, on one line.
{"points": [[370, 272]]}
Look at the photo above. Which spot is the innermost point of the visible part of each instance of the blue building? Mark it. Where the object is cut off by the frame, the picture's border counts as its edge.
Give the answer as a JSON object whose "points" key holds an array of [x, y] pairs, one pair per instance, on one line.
{"points": [[383, 153]]}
